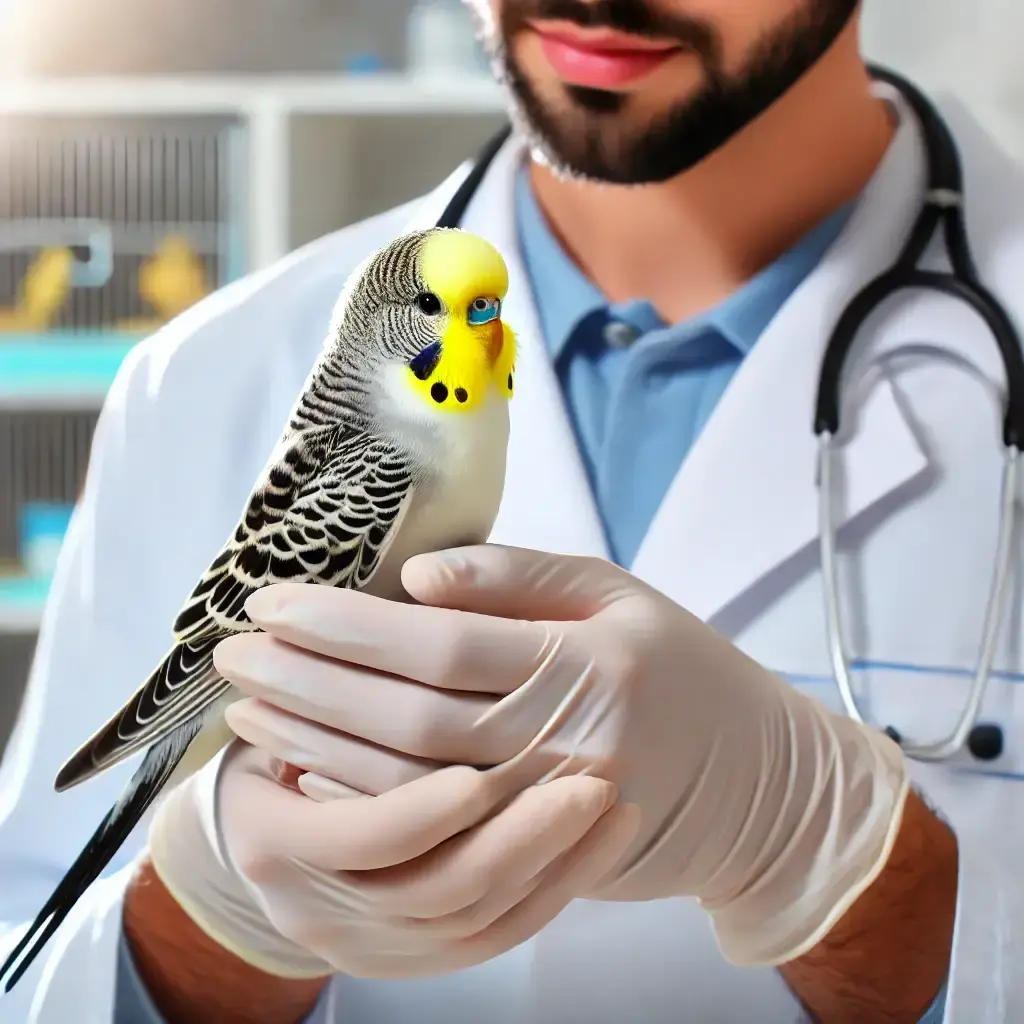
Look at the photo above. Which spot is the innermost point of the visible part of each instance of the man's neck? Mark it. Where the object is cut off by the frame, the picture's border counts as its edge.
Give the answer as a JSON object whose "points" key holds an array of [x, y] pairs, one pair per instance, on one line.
{"points": [[690, 242]]}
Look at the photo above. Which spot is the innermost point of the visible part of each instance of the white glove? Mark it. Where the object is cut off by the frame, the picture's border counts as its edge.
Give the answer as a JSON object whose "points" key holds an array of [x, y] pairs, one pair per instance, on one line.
{"points": [[773, 812], [402, 885]]}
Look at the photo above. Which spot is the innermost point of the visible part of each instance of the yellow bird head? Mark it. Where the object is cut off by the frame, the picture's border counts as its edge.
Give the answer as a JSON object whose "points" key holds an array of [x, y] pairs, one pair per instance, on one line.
{"points": [[472, 351], [422, 318]]}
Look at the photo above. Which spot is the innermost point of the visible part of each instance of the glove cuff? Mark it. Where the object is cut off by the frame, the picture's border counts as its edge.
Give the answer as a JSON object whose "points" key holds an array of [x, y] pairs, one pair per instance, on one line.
{"points": [[189, 858], [844, 822]]}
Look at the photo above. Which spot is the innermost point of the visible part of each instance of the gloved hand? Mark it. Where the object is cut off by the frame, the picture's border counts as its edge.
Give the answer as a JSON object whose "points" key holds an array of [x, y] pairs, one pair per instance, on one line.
{"points": [[773, 812], [433, 876]]}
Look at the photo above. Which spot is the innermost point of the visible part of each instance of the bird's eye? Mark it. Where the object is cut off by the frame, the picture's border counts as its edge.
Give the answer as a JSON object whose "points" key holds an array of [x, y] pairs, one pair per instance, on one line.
{"points": [[429, 303], [482, 311]]}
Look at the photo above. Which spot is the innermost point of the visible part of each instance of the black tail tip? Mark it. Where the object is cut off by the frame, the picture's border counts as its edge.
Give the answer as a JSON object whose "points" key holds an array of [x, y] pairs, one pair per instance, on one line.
{"points": [[11, 971]]}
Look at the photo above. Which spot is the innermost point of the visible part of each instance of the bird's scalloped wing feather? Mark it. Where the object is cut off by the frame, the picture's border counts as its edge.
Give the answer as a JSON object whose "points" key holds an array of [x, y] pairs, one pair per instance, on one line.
{"points": [[324, 512]]}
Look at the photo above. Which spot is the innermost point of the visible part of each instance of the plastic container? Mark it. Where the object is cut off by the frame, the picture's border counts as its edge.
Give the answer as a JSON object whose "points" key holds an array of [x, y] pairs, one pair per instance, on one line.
{"points": [[365, 64], [440, 41], [43, 526]]}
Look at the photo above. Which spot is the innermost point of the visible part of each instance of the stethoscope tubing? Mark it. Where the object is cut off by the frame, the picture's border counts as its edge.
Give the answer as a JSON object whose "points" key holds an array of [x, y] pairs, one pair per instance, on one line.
{"points": [[942, 202]]}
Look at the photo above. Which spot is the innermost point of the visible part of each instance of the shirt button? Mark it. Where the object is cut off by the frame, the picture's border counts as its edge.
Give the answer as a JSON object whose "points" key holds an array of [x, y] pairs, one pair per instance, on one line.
{"points": [[619, 335]]}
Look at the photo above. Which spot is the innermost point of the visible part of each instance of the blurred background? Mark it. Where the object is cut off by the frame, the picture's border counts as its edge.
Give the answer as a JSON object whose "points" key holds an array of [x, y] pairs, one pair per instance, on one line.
{"points": [[153, 150]]}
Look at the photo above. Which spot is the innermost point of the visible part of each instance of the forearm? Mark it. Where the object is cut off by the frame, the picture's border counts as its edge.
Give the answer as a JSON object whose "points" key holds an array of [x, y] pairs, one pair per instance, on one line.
{"points": [[888, 956], [191, 978]]}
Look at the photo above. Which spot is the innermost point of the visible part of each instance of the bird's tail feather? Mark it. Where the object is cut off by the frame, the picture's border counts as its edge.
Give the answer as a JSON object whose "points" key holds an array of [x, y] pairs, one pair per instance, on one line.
{"points": [[115, 828]]}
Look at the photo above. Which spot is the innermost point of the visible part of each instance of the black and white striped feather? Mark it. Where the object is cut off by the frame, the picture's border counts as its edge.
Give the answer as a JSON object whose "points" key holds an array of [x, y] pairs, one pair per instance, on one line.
{"points": [[324, 511]]}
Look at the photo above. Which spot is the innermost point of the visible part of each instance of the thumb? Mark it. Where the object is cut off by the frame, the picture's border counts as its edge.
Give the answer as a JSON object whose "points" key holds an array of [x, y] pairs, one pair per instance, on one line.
{"points": [[514, 583]]}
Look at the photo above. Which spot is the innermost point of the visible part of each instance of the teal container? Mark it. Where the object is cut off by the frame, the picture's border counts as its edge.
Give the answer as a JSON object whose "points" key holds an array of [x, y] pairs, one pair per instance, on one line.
{"points": [[42, 528]]}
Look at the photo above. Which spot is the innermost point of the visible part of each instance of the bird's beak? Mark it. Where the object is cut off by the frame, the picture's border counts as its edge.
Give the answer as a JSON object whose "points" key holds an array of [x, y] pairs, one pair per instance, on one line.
{"points": [[493, 334]]}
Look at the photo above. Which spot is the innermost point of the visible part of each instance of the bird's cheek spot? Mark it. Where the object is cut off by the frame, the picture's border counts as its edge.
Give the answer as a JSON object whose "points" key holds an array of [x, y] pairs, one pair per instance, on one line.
{"points": [[461, 395], [438, 392], [425, 362]]}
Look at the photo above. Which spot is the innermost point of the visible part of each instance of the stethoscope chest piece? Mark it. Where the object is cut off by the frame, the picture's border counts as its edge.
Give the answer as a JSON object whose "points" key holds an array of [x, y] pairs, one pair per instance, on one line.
{"points": [[985, 741]]}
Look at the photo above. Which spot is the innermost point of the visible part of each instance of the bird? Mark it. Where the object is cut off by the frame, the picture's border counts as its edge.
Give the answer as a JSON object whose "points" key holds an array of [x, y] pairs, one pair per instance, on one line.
{"points": [[42, 293], [172, 279], [396, 446]]}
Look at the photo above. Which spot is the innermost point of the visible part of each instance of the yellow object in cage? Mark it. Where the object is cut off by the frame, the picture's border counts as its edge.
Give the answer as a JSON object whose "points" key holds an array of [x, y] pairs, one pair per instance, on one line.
{"points": [[171, 281], [41, 294]]}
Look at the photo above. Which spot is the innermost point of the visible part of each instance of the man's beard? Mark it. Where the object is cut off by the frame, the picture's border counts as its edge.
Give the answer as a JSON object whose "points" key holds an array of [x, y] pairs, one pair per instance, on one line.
{"points": [[587, 135]]}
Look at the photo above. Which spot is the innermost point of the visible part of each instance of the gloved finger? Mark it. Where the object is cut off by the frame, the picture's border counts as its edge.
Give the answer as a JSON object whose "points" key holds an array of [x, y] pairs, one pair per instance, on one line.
{"points": [[312, 747], [471, 921], [581, 868], [462, 924], [504, 852], [433, 724], [435, 646], [321, 789], [578, 871], [266, 823], [516, 583]]}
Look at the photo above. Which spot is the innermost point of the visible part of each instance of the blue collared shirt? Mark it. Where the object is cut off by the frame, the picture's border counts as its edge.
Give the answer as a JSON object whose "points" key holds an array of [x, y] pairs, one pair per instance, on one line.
{"points": [[637, 409]]}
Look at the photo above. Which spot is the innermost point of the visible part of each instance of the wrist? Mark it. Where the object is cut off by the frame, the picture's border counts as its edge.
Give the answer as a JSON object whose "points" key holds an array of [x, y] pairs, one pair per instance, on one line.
{"points": [[193, 979], [839, 797], [888, 956]]}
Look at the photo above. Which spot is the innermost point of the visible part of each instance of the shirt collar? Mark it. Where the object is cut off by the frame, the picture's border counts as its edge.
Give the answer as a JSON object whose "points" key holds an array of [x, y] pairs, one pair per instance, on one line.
{"points": [[564, 296]]}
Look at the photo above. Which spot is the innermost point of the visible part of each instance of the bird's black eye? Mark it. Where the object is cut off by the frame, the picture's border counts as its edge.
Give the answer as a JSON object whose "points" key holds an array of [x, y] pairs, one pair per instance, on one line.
{"points": [[429, 303]]}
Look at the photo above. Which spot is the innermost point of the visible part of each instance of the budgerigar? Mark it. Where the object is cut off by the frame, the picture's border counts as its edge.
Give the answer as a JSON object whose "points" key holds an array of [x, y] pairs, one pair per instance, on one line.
{"points": [[396, 446]]}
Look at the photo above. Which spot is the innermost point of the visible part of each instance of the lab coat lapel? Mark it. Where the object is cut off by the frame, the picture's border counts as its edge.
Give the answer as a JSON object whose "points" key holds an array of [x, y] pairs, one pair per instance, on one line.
{"points": [[745, 500], [548, 503]]}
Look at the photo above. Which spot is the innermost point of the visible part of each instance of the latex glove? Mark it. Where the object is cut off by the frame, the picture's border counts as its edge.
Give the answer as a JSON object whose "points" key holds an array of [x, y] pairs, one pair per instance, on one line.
{"points": [[773, 812], [423, 880]]}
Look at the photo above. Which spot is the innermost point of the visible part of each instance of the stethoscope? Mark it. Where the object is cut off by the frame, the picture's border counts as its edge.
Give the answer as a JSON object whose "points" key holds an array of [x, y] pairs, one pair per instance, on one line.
{"points": [[942, 202]]}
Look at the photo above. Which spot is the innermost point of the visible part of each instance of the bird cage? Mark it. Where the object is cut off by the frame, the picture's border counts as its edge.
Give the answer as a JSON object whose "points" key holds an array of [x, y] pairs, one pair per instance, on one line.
{"points": [[111, 228], [108, 229]]}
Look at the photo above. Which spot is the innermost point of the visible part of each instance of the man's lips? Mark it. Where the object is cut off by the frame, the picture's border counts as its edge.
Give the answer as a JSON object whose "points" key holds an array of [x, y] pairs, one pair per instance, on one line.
{"points": [[601, 59]]}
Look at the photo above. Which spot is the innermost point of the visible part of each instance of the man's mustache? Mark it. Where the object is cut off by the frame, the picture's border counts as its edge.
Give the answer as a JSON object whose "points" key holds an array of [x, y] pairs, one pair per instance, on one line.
{"points": [[634, 17]]}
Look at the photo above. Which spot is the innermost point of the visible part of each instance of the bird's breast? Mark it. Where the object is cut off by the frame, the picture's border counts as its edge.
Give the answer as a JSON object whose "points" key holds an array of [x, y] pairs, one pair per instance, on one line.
{"points": [[458, 494]]}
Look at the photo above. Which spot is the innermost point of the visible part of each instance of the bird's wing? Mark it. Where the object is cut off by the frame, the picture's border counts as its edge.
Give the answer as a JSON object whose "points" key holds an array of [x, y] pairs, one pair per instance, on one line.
{"points": [[324, 512]]}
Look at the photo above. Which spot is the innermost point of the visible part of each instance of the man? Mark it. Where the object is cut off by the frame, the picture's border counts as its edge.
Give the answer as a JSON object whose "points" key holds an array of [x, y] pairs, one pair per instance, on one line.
{"points": [[757, 141]]}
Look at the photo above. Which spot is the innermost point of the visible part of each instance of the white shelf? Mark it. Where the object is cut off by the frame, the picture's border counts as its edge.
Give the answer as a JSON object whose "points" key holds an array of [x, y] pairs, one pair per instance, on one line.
{"points": [[19, 621], [369, 95], [21, 605], [267, 107]]}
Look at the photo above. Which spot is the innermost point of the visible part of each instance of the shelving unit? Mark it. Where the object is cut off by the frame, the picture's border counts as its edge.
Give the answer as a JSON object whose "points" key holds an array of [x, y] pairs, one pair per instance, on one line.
{"points": [[267, 110], [66, 373], [315, 154], [21, 605]]}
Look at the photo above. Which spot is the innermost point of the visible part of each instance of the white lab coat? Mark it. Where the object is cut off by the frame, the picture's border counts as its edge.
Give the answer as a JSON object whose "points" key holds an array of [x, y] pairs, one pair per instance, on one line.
{"points": [[187, 427]]}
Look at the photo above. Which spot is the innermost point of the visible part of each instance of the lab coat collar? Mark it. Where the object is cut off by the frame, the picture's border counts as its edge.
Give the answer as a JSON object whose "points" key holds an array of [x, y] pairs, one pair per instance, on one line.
{"points": [[745, 500]]}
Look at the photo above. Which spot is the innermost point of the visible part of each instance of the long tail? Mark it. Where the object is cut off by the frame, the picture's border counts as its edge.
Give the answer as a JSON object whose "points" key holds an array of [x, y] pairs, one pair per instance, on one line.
{"points": [[115, 828]]}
